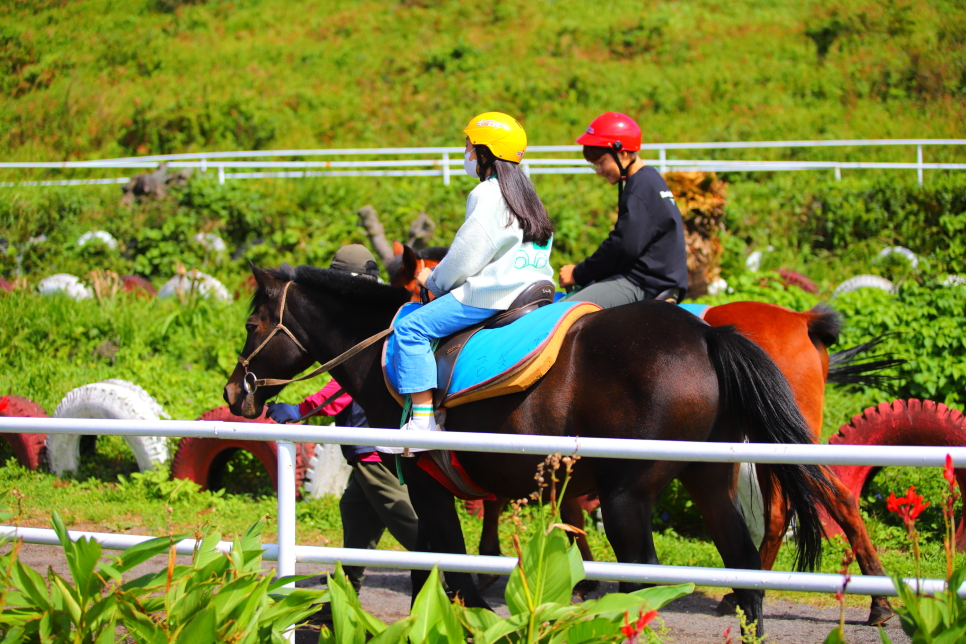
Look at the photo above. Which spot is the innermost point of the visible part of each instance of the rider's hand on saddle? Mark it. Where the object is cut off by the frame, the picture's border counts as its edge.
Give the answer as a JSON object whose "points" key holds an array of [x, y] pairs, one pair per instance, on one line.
{"points": [[283, 413], [567, 276], [423, 276]]}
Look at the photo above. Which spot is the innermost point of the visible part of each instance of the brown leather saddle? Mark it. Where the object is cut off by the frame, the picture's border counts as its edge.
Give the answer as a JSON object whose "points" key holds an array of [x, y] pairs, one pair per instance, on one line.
{"points": [[536, 295]]}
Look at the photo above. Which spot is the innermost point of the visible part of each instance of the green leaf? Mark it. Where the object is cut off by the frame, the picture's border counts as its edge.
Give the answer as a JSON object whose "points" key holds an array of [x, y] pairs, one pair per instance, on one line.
{"points": [[395, 633], [435, 616], [660, 596], [593, 630], [835, 637], [143, 551], [346, 624]]}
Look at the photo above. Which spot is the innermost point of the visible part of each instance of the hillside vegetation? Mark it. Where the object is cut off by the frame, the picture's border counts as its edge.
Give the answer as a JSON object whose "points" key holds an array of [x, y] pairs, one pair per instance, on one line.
{"points": [[99, 78]]}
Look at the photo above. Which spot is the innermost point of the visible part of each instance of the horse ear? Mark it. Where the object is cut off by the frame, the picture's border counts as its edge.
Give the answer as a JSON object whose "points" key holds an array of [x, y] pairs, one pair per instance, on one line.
{"points": [[409, 262], [262, 277], [397, 248]]}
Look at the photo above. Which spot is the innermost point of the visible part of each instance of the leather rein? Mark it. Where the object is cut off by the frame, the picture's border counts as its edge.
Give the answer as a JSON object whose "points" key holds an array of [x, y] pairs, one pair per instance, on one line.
{"points": [[251, 382]]}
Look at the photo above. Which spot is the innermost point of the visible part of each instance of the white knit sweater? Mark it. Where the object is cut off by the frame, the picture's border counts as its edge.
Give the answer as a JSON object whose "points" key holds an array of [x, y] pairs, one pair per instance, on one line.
{"points": [[489, 264]]}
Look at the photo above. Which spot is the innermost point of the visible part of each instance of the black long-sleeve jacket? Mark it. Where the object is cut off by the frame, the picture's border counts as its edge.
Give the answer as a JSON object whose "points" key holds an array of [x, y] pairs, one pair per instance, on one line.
{"points": [[647, 242]]}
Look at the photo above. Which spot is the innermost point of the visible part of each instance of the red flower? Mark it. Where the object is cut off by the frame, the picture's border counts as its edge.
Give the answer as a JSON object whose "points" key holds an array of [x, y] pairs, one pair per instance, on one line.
{"points": [[631, 631], [949, 472], [4, 402], [909, 507]]}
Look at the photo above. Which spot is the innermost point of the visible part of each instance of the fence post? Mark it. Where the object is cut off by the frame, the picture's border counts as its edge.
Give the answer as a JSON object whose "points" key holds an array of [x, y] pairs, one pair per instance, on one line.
{"points": [[663, 158], [204, 165], [445, 168], [919, 162], [221, 175], [286, 515]]}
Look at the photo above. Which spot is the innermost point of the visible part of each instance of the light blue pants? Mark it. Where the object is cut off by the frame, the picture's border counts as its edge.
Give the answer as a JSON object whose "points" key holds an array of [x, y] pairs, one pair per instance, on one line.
{"points": [[415, 364]]}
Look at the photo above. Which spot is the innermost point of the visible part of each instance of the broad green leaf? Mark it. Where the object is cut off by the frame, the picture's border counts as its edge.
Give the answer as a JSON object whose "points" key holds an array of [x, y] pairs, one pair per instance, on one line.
{"points": [[593, 630], [435, 616], [512, 624], [395, 633], [142, 626], [200, 628], [835, 637], [282, 581], [660, 596], [577, 573], [70, 602], [346, 625], [952, 635], [29, 582], [883, 636], [250, 546], [326, 636], [143, 551]]}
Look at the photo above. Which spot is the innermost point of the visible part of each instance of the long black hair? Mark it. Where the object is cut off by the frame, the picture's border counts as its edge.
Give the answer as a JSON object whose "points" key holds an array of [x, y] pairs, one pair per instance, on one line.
{"points": [[521, 199]]}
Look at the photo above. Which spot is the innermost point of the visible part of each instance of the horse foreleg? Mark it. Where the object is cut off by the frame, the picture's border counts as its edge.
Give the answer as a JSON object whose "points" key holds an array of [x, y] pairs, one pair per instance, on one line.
{"points": [[844, 508], [572, 513], [490, 538], [713, 489], [439, 530]]}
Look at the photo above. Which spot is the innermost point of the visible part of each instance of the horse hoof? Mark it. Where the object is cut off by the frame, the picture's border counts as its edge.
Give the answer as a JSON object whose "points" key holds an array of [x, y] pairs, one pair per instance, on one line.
{"points": [[880, 613], [485, 581], [585, 587], [728, 605]]}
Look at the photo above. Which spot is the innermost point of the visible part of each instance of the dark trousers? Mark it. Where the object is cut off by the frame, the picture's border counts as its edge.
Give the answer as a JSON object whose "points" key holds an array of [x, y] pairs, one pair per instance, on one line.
{"points": [[372, 502]]}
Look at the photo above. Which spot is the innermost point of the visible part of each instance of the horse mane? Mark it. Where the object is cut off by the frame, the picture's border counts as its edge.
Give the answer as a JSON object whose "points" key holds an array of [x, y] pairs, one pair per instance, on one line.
{"points": [[347, 287]]}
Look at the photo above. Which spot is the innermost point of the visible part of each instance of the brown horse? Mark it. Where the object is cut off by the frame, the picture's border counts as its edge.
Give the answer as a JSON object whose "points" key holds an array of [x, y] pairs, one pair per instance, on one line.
{"points": [[797, 342], [644, 371]]}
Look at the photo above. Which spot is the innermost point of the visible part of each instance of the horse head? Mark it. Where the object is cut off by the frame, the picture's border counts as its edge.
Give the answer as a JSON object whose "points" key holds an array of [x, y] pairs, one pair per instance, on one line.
{"points": [[275, 345], [407, 264]]}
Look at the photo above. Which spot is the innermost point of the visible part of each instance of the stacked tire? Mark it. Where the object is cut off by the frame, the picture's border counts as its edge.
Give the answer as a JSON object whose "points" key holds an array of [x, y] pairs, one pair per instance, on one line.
{"points": [[203, 460], [108, 399], [30, 449], [902, 422]]}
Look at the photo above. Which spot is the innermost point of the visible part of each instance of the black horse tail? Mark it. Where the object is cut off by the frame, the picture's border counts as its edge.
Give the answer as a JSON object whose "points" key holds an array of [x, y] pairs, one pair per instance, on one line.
{"points": [[844, 370], [754, 392]]}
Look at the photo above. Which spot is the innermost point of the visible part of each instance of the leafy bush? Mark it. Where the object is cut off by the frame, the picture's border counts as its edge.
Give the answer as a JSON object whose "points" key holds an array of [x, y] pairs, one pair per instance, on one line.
{"points": [[218, 598], [929, 327]]}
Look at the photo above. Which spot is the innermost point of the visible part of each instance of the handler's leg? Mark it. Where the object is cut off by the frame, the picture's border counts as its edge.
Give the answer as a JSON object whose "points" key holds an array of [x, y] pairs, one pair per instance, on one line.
{"points": [[389, 499], [361, 525], [613, 291]]}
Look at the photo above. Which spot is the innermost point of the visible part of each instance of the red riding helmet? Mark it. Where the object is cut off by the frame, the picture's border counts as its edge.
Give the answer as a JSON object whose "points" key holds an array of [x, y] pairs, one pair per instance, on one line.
{"points": [[613, 130]]}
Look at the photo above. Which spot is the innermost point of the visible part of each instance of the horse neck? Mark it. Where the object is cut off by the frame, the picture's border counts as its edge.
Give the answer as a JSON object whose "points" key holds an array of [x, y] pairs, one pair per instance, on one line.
{"points": [[361, 376]]}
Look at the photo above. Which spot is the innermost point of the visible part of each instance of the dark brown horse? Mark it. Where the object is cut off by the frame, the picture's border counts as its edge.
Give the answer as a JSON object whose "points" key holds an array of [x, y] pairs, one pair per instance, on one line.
{"points": [[797, 342], [645, 371]]}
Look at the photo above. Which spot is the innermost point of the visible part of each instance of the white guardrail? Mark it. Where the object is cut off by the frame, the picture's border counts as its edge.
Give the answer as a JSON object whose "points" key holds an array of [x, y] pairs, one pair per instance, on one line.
{"points": [[287, 553], [446, 158]]}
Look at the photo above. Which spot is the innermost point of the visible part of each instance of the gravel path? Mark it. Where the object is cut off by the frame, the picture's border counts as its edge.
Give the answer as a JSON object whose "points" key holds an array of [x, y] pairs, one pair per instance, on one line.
{"points": [[689, 620]]}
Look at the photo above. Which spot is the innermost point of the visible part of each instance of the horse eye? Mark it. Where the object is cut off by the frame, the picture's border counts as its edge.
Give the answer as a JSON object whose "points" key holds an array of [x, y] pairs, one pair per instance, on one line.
{"points": [[251, 327]]}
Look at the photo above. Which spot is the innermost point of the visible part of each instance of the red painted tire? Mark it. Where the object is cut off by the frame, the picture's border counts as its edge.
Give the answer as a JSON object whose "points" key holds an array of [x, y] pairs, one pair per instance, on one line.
{"points": [[138, 285], [30, 449], [202, 460], [902, 422]]}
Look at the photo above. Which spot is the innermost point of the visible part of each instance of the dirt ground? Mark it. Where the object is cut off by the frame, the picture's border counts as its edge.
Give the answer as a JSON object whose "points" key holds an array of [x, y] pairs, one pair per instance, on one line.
{"points": [[690, 620]]}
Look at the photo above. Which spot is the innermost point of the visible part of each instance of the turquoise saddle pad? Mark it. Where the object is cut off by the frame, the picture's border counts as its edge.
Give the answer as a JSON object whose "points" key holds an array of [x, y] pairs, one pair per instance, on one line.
{"points": [[491, 352]]}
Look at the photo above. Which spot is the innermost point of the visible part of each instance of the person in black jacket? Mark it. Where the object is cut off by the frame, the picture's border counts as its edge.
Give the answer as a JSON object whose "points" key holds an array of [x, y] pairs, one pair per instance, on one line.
{"points": [[644, 256]]}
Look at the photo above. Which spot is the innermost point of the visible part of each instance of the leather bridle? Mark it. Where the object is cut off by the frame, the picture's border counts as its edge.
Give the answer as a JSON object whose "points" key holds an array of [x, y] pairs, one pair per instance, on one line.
{"points": [[278, 327], [251, 382]]}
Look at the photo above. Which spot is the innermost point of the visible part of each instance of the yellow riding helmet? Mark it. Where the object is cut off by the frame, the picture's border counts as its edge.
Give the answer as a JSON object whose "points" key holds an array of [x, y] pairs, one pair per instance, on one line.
{"points": [[501, 133]]}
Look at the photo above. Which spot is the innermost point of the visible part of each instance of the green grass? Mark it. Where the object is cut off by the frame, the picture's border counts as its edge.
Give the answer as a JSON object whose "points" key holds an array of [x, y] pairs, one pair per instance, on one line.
{"points": [[98, 78]]}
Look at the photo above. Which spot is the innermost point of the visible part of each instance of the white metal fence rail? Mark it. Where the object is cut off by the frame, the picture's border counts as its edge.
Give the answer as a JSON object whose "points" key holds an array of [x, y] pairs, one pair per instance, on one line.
{"points": [[287, 553], [444, 159]]}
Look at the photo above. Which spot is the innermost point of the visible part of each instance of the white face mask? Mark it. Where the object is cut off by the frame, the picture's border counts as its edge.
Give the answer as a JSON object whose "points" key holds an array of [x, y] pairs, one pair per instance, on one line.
{"points": [[469, 166]]}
